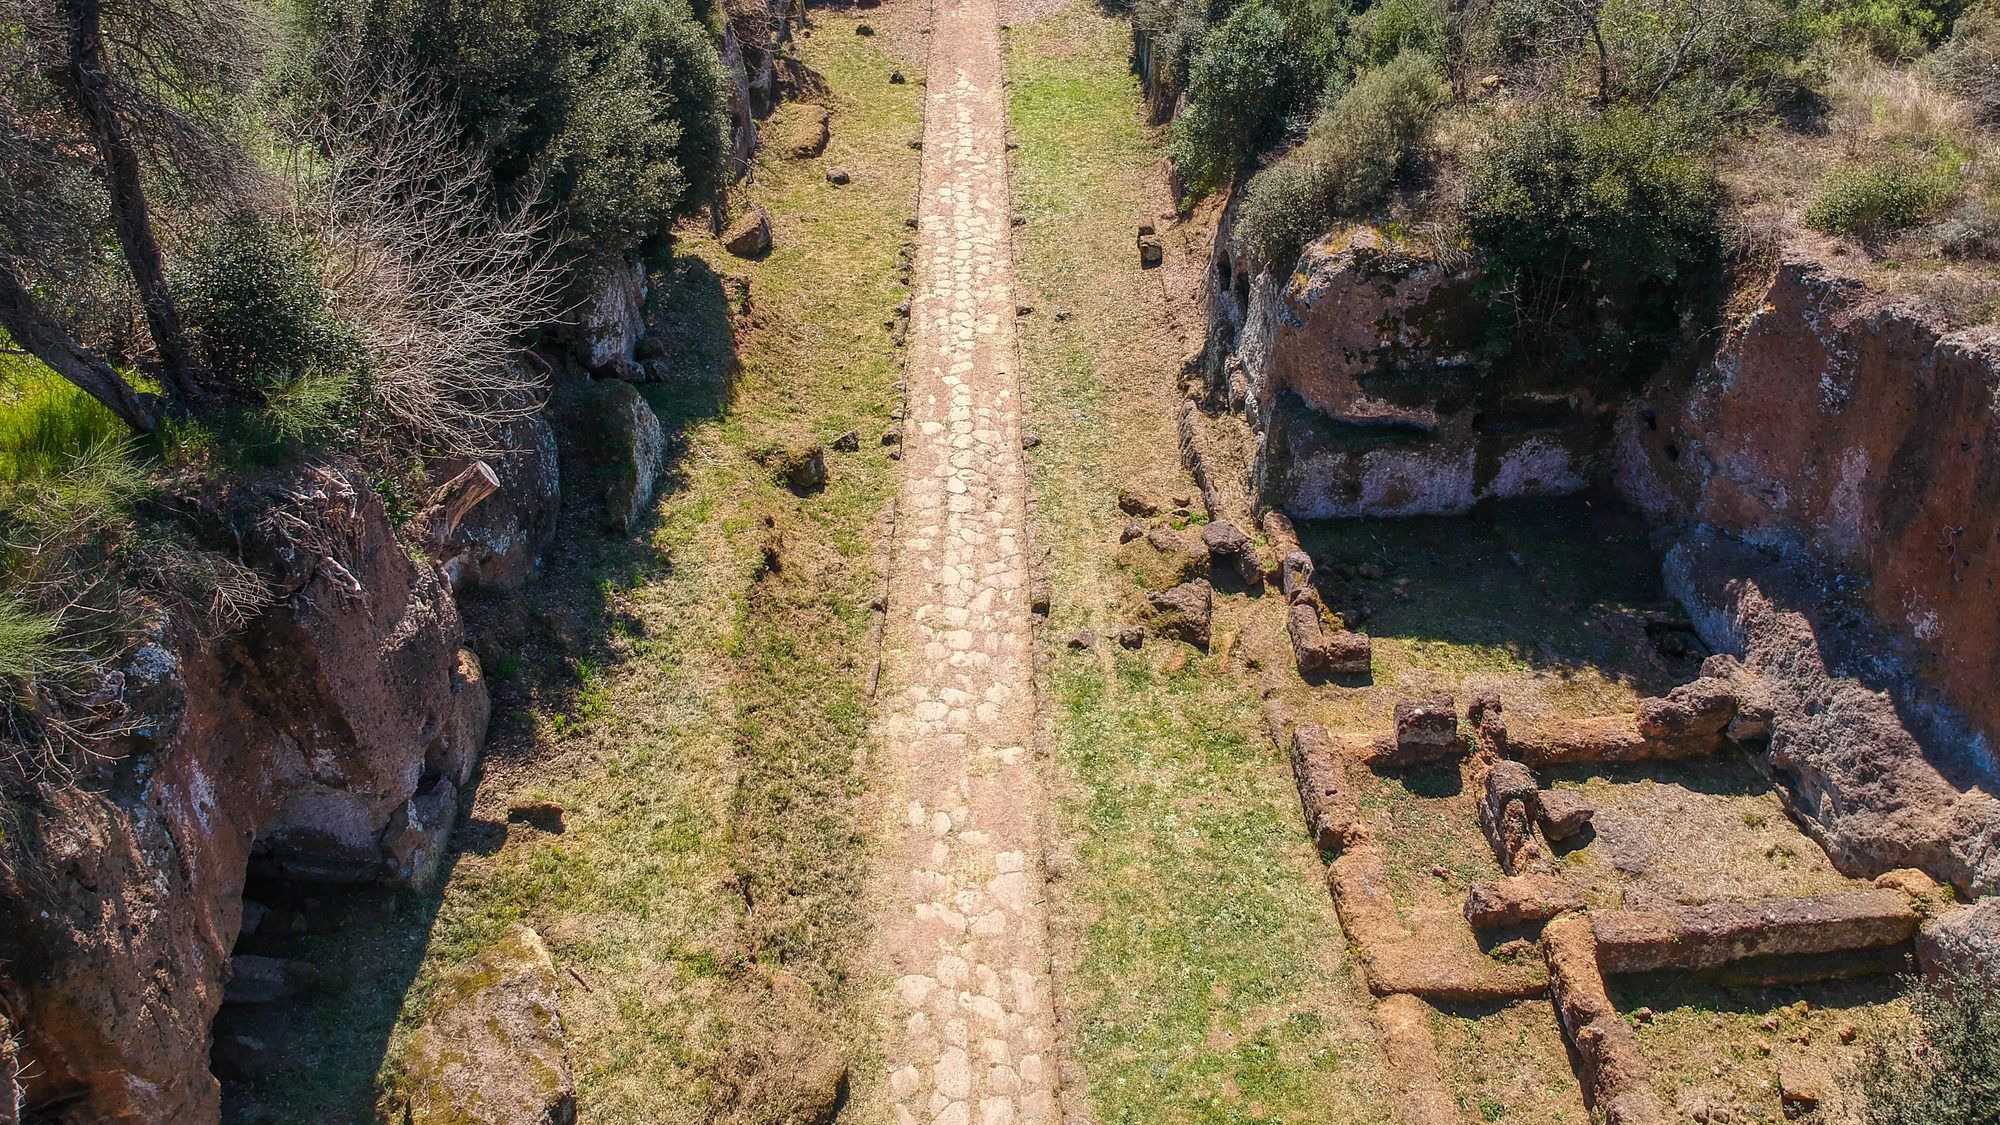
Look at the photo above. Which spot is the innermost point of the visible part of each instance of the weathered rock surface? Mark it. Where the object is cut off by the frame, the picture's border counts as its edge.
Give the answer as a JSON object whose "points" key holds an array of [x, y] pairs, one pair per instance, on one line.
{"points": [[1706, 936], [1964, 940], [636, 447], [309, 743], [1338, 364], [1877, 768], [1698, 710], [1333, 814], [1184, 612], [1617, 1081], [1562, 813], [750, 235], [611, 320], [491, 1049], [1519, 899], [1506, 815], [1860, 427], [1428, 728], [499, 545]]}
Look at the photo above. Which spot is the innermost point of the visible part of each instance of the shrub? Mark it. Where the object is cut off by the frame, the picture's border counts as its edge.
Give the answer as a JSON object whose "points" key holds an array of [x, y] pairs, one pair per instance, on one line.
{"points": [[1239, 84], [1393, 26], [257, 310], [1892, 29], [1601, 231], [1968, 65], [1946, 1067], [616, 109], [1347, 163], [1885, 195]]}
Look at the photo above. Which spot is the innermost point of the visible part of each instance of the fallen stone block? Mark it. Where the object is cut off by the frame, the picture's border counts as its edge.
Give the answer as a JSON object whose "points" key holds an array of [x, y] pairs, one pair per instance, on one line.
{"points": [[1295, 574], [1427, 729], [1714, 934], [1562, 813], [1518, 900], [1965, 940], [750, 235], [1698, 710], [1333, 816], [1506, 816], [1607, 738], [1617, 1082], [491, 1046], [1183, 613], [1229, 547], [1415, 1074]]}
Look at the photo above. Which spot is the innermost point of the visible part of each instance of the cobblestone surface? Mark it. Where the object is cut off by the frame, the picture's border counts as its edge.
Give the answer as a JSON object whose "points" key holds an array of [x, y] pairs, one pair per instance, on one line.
{"points": [[964, 934]]}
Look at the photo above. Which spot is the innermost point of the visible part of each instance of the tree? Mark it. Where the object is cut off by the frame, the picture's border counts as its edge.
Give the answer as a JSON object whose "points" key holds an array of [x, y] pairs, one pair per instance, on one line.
{"points": [[134, 91], [612, 112]]}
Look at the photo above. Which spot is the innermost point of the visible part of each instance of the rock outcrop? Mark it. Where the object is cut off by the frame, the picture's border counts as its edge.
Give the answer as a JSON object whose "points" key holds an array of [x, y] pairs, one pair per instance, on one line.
{"points": [[499, 545], [635, 447], [326, 740], [1877, 768], [1357, 371], [1858, 430], [491, 1049]]}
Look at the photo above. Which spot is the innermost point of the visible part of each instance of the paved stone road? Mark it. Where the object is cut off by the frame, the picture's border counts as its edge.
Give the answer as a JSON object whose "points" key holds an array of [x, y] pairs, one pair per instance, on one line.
{"points": [[971, 1038]]}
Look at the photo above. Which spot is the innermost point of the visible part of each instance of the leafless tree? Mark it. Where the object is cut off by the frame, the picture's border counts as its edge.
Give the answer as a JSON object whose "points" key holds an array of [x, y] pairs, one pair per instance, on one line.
{"points": [[441, 281]]}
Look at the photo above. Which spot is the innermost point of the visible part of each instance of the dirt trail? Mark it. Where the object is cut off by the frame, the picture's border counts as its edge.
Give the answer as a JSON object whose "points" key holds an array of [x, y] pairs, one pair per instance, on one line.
{"points": [[970, 1032]]}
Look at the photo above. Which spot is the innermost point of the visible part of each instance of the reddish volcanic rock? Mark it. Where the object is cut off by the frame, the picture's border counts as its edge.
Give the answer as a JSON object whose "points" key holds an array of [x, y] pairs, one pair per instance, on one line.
{"points": [[325, 740]]}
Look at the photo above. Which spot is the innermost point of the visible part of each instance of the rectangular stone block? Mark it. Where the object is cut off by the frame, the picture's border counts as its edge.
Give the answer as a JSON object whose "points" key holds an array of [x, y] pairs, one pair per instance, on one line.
{"points": [[1714, 934], [1333, 818]]}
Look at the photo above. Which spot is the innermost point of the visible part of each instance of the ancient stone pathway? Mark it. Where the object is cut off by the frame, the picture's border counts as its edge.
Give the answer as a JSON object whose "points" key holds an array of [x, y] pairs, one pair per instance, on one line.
{"points": [[969, 1030]]}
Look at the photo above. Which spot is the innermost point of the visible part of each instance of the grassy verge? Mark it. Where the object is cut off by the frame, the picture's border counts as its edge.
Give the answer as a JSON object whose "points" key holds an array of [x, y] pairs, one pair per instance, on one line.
{"points": [[1199, 957], [701, 728]]}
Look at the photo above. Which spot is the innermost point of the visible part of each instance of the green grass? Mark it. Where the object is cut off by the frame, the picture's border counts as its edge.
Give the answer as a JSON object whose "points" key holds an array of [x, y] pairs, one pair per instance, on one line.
{"points": [[1198, 952], [45, 421]]}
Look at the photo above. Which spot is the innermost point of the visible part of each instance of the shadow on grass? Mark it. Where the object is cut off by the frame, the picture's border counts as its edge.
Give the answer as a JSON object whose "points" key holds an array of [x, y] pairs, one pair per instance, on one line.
{"points": [[317, 1056], [1558, 584]]}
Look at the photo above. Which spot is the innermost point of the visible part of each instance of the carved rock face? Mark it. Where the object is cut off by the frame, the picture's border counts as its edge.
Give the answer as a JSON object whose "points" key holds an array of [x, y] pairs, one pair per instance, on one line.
{"points": [[325, 740]]}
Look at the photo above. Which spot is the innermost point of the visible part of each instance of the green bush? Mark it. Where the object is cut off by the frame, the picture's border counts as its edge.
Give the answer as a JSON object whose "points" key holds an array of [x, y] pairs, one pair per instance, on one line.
{"points": [[1601, 231], [1947, 1067], [1240, 82], [616, 109], [1886, 195], [1347, 163], [1892, 29], [256, 308], [1389, 28]]}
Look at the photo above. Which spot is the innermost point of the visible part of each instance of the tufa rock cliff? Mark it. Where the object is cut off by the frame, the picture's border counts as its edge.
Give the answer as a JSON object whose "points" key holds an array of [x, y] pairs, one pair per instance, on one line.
{"points": [[1359, 374], [327, 740]]}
